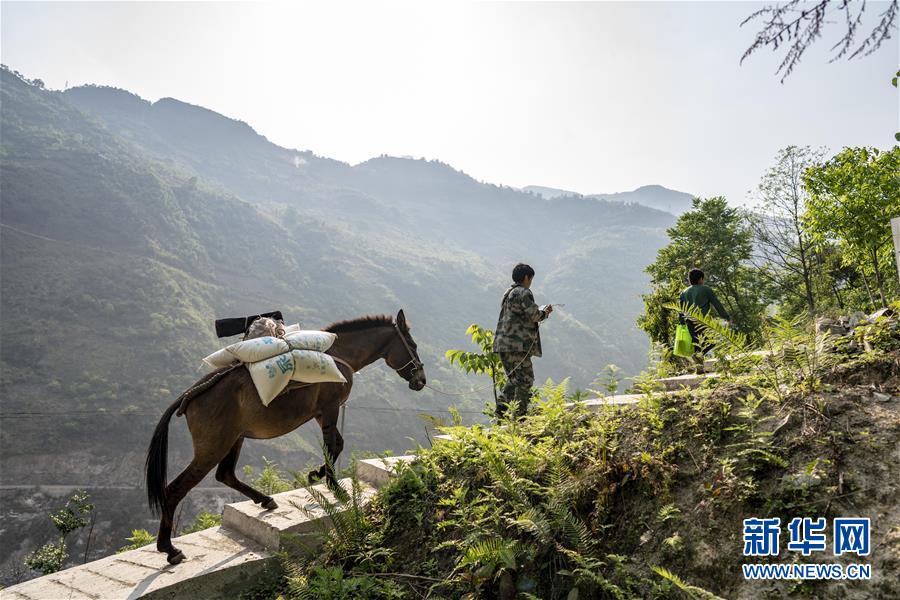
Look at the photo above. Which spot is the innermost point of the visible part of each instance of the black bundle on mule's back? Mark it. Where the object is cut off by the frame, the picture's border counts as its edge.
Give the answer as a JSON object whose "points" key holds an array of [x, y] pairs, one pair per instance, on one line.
{"points": [[240, 325]]}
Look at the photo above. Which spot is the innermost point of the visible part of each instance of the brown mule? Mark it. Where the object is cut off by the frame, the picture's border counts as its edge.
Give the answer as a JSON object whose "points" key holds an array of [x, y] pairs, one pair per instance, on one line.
{"points": [[224, 408]]}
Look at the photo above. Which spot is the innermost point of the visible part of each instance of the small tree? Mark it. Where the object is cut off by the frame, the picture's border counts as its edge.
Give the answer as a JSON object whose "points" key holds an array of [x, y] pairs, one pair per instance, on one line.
{"points": [[785, 245], [485, 362], [608, 381], [852, 199], [50, 557], [139, 538], [204, 520]]}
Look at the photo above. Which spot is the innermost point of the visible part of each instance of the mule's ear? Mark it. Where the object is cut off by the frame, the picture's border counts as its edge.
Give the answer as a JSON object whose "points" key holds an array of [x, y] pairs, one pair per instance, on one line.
{"points": [[401, 319]]}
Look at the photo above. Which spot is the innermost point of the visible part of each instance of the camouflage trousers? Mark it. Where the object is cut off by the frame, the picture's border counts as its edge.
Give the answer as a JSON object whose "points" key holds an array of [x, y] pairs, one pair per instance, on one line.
{"points": [[520, 377]]}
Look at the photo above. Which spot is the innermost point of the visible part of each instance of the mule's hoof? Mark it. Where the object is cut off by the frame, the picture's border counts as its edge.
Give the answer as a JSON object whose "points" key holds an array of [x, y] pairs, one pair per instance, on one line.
{"points": [[176, 558], [269, 504]]}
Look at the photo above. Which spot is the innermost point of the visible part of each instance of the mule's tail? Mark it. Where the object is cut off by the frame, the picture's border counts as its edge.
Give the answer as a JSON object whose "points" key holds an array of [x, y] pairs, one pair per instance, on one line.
{"points": [[155, 467]]}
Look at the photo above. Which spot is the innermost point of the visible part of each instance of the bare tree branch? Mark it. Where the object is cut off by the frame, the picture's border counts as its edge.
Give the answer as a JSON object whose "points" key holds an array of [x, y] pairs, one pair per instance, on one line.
{"points": [[796, 24]]}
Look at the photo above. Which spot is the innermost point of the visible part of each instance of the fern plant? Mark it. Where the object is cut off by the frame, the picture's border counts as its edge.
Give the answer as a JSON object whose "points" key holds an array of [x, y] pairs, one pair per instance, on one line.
{"points": [[791, 354], [691, 591]]}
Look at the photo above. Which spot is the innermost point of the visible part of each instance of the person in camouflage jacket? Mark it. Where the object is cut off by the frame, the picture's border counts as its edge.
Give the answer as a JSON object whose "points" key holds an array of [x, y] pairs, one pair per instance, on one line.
{"points": [[517, 339]]}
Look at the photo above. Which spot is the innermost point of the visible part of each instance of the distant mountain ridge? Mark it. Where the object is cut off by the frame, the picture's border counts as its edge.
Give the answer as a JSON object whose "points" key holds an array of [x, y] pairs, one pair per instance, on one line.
{"points": [[653, 196]]}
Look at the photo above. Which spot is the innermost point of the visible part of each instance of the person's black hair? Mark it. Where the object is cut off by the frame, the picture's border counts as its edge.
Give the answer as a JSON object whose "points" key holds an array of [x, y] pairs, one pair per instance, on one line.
{"points": [[521, 271], [694, 276]]}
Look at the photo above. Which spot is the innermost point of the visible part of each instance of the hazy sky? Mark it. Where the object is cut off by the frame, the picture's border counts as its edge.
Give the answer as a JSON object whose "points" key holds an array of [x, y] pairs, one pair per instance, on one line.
{"points": [[592, 97]]}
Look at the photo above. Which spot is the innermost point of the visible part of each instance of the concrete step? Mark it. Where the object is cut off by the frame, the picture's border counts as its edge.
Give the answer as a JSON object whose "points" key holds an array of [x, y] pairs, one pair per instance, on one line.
{"points": [[596, 404], [218, 564], [298, 512], [691, 381], [377, 471]]}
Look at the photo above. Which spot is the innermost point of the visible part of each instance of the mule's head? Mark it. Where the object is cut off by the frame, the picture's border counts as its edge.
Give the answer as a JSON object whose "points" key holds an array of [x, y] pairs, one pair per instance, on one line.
{"points": [[403, 357]]}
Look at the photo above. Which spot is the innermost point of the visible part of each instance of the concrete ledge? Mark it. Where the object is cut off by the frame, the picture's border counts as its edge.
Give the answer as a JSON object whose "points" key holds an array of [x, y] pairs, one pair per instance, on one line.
{"points": [[377, 471], [219, 564]]}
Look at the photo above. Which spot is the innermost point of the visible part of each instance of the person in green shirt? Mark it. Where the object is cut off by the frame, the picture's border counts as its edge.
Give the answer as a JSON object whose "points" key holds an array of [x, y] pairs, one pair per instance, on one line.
{"points": [[701, 296]]}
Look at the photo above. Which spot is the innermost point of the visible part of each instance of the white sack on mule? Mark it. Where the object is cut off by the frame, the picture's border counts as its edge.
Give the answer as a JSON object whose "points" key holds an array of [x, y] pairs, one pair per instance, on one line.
{"points": [[250, 351], [270, 376]]}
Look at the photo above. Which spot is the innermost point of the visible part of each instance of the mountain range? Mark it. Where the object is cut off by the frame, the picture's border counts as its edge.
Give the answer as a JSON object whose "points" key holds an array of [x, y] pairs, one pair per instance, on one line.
{"points": [[653, 196], [127, 227]]}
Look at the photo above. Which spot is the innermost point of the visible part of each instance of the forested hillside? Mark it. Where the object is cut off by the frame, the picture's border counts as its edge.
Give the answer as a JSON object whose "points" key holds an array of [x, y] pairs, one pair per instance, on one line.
{"points": [[128, 227]]}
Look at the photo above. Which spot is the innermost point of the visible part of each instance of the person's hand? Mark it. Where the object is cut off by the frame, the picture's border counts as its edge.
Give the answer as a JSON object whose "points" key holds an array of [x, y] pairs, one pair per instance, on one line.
{"points": [[549, 309]]}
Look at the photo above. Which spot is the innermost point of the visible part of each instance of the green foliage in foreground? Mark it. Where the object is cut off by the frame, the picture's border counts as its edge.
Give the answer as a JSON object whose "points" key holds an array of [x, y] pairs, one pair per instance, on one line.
{"points": [[644, 502], [525, 507]]}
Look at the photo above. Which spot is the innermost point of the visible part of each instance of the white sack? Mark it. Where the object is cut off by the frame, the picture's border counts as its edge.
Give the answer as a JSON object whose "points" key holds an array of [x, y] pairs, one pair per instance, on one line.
{"points": [[319, 341], [273, 362], [315, 367], [251, 351], [257, 349], [270, 376]]}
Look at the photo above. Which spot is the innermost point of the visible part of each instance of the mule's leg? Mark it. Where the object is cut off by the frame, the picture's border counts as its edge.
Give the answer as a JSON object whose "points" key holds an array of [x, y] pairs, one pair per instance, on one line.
{"points": [[175, 493], [225, 474], [334, 444]]}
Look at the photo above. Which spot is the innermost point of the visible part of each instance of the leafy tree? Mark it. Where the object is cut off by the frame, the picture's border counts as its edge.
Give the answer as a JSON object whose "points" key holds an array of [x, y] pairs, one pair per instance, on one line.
{"points": [[785, 245], [656, 320], [852, 199], [718, 239], [50, 557]]}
